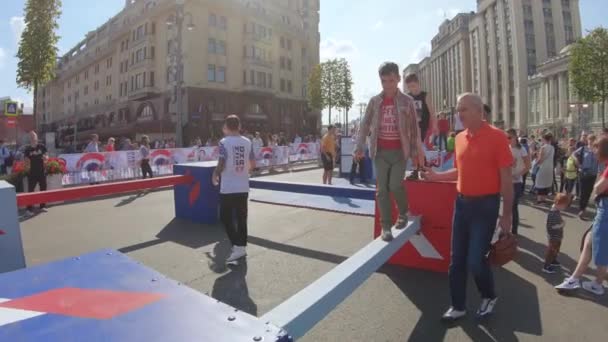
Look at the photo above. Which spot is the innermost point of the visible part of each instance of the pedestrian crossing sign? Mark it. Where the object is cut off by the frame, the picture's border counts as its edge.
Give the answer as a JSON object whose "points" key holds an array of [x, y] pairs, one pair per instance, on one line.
{"points": [[11, 109]]}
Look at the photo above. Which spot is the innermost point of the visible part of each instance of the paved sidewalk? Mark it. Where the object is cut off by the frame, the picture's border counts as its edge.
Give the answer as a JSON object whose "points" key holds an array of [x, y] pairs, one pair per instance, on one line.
{"points": [[291, 247]]}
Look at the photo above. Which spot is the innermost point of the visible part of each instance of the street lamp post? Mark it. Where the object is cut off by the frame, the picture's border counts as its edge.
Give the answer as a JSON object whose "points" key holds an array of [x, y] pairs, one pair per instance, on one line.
{"points": [[177, 20]]}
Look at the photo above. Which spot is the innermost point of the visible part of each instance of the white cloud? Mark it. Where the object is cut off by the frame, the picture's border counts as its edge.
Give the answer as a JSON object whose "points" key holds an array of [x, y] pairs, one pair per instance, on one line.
{"points": [[423, 50], [332, 48], [378, 25], [448, 13], [2, 57], [17, 26]]}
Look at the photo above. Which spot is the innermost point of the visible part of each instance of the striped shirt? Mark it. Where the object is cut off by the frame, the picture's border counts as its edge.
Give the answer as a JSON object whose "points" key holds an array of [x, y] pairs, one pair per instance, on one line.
{"points": [[555, 225]]}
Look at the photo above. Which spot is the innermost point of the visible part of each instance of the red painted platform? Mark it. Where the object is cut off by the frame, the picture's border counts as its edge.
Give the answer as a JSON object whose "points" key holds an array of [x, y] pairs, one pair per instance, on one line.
{"points": [[430, 250]]}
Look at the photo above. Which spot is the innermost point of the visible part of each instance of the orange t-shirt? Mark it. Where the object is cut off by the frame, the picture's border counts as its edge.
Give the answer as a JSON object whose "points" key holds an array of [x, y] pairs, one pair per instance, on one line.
{"points": [[389, 138], [479, 159]]}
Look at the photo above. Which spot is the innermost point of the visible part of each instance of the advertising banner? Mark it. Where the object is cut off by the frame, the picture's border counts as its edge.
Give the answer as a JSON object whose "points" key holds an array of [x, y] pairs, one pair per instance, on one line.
{"points": [[100, 167]]}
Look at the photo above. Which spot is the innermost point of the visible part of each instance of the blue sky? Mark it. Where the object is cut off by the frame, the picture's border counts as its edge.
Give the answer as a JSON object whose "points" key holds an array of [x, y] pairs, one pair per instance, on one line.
{"points": [[366, 35]]}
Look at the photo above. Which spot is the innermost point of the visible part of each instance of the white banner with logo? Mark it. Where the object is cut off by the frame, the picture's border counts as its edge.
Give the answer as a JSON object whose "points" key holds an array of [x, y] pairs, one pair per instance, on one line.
{"points": [[100, 167]]}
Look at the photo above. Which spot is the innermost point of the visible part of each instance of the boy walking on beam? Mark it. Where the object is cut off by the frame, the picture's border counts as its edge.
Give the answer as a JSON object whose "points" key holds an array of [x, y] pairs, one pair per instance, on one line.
{"points": [[391, 121]]}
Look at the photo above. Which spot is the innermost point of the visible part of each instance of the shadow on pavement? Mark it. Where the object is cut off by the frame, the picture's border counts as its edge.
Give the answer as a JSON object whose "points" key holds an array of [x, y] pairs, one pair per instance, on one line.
{"points": [[532, 256], [300, 251], [517, 309], [131, 199], [532, 261], [185, 233], [231, 288], [344, 200]]}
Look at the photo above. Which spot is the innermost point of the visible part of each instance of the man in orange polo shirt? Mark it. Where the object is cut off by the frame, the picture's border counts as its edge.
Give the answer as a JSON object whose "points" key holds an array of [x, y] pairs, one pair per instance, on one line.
{"points": [[483, 173]]}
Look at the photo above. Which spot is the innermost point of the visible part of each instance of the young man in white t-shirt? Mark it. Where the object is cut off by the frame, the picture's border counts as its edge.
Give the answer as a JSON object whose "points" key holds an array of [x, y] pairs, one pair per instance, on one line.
{"points": [[235, 162]]}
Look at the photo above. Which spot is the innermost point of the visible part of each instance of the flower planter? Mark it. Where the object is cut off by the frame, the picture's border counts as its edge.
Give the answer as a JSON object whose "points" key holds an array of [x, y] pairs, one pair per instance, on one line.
{"points": [[54, 182]]}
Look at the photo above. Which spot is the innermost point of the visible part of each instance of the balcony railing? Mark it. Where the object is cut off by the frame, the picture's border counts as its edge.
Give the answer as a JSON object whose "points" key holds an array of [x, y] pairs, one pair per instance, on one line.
{"points": [[144, 63], [144, 93], [258, 62]]}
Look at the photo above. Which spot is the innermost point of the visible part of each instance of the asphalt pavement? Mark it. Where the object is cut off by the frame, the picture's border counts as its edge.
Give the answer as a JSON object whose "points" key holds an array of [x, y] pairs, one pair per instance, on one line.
{"points": [[291, 247]]}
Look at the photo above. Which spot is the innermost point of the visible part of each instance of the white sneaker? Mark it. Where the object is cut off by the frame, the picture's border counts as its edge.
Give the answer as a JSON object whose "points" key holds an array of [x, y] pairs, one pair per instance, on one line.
{"points": [[593, 287], [569, 284], [237, 253], [487, 307], [453, 315]]}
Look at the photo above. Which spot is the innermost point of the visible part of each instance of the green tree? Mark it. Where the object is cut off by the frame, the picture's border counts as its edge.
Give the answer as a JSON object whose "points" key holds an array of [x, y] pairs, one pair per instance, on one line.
{"points": [[315, 93], [330, 85], [345, 95], [589, 68], [37, 52]]}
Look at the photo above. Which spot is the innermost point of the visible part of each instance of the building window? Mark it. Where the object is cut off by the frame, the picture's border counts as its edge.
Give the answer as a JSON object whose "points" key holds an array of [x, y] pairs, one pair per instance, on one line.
{"points": [[255, 108], [221, 74], [108, 80], [289, 87], [211, 45], [282, 43], [96, 87], [139, 55], [251, 77], [109, 62], [146, 114], [289, 64], [269, 78], [97, 69], [139, 33], [261, 79], [289, 44], [212, 20], [223, 24], [244, 77], [140, 81], [151, 81], [211, 73], [86, 90], [282, 63], [220, 48], [282, 84]]}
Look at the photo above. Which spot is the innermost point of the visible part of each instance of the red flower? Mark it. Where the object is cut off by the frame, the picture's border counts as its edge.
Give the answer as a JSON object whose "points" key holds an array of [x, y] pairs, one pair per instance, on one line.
{"points": [[55, 166]]}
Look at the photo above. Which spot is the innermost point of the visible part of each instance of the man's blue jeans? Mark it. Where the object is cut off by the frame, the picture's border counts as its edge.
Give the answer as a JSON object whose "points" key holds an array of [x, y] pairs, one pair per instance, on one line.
{"points": [[472, 231]]}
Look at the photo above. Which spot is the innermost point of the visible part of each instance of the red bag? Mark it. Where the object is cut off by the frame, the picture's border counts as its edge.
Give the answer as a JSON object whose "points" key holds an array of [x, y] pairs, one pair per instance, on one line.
{"points": [[503, 250]]}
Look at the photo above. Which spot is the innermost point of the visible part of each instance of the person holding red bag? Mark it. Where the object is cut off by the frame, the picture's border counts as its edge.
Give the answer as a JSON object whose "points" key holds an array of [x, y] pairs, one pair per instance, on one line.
{"points": [[483, 171]]}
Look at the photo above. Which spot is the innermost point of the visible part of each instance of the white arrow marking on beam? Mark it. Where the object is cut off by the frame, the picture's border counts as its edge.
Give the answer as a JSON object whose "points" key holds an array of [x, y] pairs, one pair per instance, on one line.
{"points": [[424, 247], [8, 315]]}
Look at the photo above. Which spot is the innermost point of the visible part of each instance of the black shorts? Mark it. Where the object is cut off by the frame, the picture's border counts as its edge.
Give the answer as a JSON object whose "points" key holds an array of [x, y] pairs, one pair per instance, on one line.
{"points": [[328, 161]]}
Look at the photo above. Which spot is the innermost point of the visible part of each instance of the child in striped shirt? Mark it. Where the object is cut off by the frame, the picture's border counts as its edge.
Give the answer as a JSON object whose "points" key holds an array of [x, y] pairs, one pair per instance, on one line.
{"points": [[555, 232]]}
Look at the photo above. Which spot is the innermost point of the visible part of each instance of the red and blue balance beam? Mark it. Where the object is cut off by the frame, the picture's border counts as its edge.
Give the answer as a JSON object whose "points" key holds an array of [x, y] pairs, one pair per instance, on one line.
{"points": [[91, 191]]}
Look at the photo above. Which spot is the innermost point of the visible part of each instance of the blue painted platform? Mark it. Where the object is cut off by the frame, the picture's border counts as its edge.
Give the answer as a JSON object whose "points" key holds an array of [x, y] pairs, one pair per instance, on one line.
{"points": [[106, 296], [346, 191], [336, 204]]}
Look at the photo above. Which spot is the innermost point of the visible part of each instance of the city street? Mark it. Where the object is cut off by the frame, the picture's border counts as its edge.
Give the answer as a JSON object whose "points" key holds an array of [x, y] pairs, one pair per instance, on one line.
{"points": [[291, 247]]}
